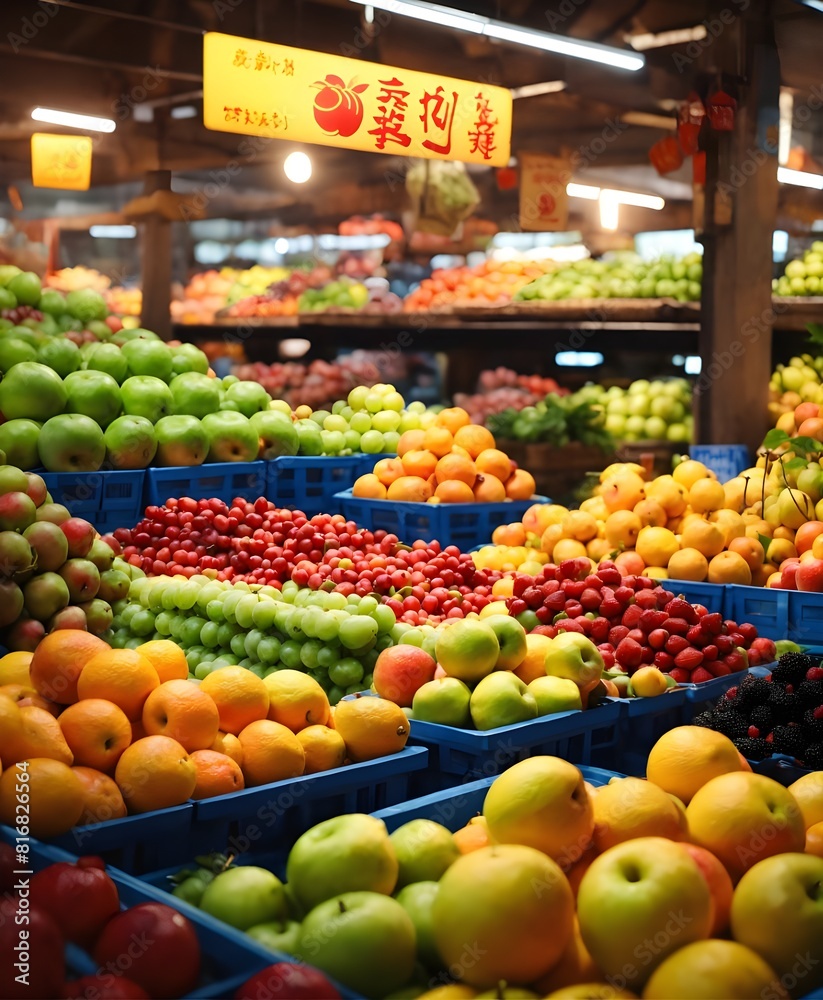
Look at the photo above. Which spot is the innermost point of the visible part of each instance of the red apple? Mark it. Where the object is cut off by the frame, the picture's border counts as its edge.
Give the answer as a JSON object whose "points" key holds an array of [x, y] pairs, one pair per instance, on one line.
{"points": [[765, 647], [37, 945], [286, 981], [809, 575], [80, 900], [80, 535], [720, 886], [400, 671], [104, 986], [168, 965], [114, 323], [788, 573]]}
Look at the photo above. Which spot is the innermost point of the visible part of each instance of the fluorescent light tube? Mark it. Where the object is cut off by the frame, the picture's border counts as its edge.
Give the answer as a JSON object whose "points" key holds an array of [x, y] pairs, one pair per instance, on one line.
{"points": [[633, 198], [113, 232], [432, 13], [609, 211], [586, 191], [680, 36], [801, 178], [72, 120], [564, 46], [536, 89]]}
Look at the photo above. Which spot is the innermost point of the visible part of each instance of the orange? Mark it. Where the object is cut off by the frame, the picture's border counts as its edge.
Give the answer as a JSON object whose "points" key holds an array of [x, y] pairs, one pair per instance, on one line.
{"points": [[39, 735], [628, 808], [26, 695], [714, 968], [228, 744], [453, 418], [688, 473], [750, 549], [438, 440], [411, 488], [688, 564], [729, 567], [622, 528], [533, 664], [324, 749], [803, 541], [419, 463], [155, 773], [656, 546], [814, 840], [370, 487], [11, 728], [217, 774], [410, 441], [495, 463], [119, 675], [389, 469], [457, 467], [102, 799], [296, 700], [651, 513], [706, 495], [579, 524], [457, 450], [687, 757], [474, 439], [184, 712], [509, 534], [473, 836], [568, 548], [520, 485], [622, 491], [55, 796], [240, 696], [489, 489], [271, 752], [371, 727], [453, 491], [808, 792], [629, 563], [58, 661], [14, 668], [167, 658], [97, 732]]}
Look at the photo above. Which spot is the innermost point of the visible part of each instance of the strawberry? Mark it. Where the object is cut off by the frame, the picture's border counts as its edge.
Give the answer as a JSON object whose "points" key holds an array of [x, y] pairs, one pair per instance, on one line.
{"points": [[696, 636], [599, 630], [676, 644], [573, 588], [725, 644], [631, 616], [710, 653], [680, 608], [638, 635], [609, 574], [712, 624], [700, 675], [680, 675], [617, 633], [590, 599], [679, 626], [717, 668], [663, 661], [689, 658], [651, 619], [657, 638], [646, 599], [629, 653]]}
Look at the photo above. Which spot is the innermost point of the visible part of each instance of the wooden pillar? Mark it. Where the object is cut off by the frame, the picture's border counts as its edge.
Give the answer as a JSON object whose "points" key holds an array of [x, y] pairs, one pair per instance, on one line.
{"points": [[740, 213], [156, 262]]}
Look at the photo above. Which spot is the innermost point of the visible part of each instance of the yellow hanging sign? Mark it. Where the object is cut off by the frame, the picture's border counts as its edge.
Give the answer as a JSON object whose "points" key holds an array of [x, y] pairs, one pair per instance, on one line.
{"points": [[256, 88], [61, 161]]}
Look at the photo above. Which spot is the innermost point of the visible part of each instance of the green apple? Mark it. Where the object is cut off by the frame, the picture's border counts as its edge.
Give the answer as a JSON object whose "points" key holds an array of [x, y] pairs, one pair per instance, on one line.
{"points": [[52, 302], [417, 900], [180, 441], [309, 436], [777, 911], [639, 902], [575, 657], [95, 395], [276, 432], [13, 351], [555, 694], [467, 650], [424, 850], [7, 272], [85, 304], [60, 354], [250, 397], [277, 935], [110, 359], [511, 637], [148, 357], [32, 390], [130, 442], [146, 396], [347, 853], [444, 700], [71, 442], [231, 437], [26, 288], [501, 699], [363, 940], [188, 358], [18, 439], [245, 896], [195, 394]]}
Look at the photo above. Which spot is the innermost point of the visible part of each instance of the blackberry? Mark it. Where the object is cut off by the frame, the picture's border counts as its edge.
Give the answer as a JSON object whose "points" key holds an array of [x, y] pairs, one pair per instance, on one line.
{"points": [[731, 724], [754, 691], [725, 704], [753, 749], [791, 668], [813, 726], [810, 693], [813, 757], [785, 706], [762, 717], [705, 719], [790, 740]]}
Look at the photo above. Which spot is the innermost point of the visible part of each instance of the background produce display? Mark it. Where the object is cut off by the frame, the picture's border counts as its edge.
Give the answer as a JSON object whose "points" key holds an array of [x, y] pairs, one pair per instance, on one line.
{"points": [[502, 389], [660, 410], [488, 284], [802, 275], [795, 383]]}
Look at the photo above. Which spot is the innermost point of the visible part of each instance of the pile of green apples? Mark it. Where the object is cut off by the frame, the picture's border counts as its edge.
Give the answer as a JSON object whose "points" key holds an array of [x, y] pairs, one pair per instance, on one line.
{"points": [[625, 276], [334, 639], [340, 294], [647, 411], [803, 276]]}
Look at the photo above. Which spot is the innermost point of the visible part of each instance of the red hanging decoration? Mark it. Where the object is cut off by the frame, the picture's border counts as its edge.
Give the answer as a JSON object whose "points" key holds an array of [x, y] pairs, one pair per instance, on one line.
{"points": [[699, 168], [721, 110], [689, 121], [506, 178], [666, 155]]}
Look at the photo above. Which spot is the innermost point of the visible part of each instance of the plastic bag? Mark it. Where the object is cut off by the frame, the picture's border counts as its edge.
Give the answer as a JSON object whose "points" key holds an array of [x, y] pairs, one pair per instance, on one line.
{"points": [[443, 195]]}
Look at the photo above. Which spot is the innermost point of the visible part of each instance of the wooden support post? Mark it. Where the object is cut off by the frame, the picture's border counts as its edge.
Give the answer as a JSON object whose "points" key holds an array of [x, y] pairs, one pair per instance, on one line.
{"points": [[156, 262], [731, 395]]}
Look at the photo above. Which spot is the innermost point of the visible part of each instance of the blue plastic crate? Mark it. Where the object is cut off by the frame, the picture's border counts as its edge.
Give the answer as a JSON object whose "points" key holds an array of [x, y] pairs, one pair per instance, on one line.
{"points": [[713, 596], [805, 617], [784, 769], [464, 524], [88, 493], [223, 480], [643, 722], [699, 694], [726, 460], [310, 482], [457, 755], [765, 608], [229, 957]]}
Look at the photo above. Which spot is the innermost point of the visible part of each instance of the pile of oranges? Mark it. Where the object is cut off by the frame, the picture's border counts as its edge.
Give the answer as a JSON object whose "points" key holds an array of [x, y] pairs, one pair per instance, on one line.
{"points": [[491, 283], [451, 461], [107, 732]]}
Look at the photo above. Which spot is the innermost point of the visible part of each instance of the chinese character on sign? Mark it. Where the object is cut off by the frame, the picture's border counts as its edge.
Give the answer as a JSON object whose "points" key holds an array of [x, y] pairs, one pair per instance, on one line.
{"points": [[232, 114], [261, 61], [241, 58], [288, 67], [438, 112], [482, 137], [249, 117], [392, 106]]}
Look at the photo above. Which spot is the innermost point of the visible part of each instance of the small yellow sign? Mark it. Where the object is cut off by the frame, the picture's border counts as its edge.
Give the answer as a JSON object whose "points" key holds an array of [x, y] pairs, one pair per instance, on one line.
{"points": [[544, 205], [256, 88], [61, 161]]}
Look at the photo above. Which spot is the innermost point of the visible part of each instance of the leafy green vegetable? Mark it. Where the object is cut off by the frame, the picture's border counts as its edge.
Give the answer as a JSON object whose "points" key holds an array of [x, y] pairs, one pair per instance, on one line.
{"points": [[556, 420]]}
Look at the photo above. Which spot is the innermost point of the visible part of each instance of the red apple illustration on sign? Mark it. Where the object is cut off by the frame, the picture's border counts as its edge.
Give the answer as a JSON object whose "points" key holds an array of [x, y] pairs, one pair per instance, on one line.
{"points": [[338, 109]]}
